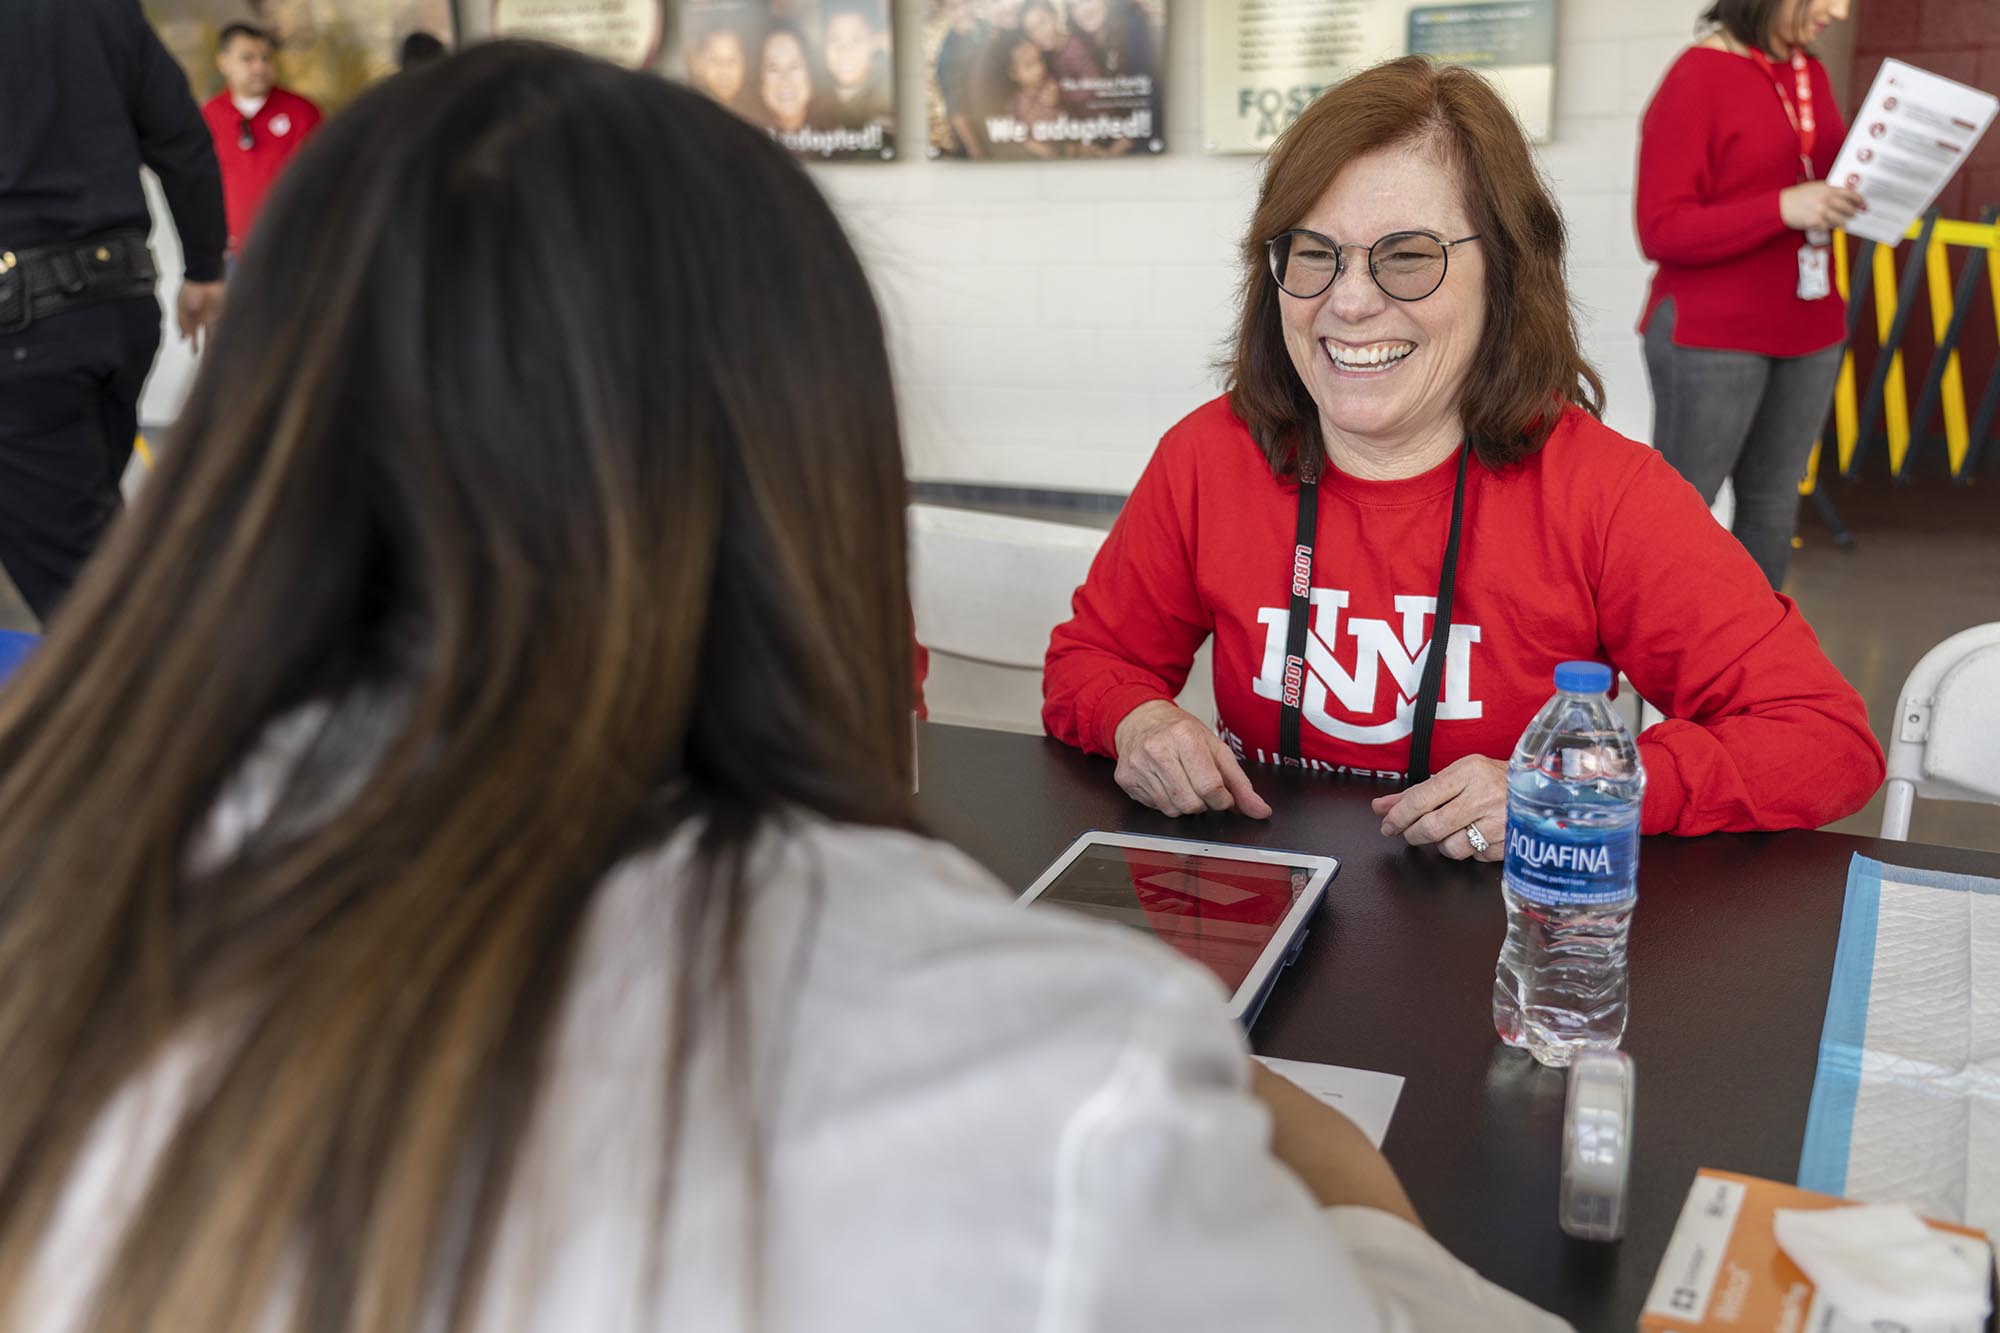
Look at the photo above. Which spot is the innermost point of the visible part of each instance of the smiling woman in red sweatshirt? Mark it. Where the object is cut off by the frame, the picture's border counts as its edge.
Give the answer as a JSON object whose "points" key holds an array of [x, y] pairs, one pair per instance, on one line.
{"points": [[1410, 437]]}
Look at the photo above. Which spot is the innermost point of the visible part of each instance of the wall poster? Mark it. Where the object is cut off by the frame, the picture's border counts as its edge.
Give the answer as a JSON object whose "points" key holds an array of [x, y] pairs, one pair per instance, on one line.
{"points": [[1045, 79], [328, 50], [1264, 60], [818, 75], [625, 32]]}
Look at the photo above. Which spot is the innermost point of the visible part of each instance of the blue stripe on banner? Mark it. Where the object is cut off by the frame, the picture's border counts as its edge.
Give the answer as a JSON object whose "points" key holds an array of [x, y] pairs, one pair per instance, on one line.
{"points": [[1837, 1083]]}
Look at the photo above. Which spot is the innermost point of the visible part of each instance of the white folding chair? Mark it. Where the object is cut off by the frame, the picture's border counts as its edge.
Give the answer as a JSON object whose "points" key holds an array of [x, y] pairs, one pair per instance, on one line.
{"points": [[1945, 744], [987, 589]]}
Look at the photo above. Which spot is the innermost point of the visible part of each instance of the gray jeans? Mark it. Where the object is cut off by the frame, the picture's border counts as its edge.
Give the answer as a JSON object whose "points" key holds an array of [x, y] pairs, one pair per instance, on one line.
{"points": [[1742, 416]]}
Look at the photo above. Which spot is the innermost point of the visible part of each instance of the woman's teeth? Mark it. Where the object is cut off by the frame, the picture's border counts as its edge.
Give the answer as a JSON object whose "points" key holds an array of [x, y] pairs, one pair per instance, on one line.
{"points": [[1368, 358]]}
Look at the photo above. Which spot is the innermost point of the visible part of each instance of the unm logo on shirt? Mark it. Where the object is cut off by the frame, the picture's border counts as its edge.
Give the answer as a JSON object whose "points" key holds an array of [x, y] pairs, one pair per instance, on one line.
{"points": [[1378, 651]]}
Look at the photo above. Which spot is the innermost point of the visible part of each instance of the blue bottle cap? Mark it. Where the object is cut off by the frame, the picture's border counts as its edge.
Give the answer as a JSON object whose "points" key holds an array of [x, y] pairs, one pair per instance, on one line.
{"points": [[1583, 677]]}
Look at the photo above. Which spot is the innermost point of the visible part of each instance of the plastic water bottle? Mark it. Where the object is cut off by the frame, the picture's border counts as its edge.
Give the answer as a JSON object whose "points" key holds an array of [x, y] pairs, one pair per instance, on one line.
{"points": [[1574, 787]]}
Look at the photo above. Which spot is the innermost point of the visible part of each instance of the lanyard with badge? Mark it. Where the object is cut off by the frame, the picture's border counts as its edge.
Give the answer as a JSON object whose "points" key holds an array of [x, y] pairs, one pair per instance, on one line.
{"points": [[1815, 280], [1432, 682]]}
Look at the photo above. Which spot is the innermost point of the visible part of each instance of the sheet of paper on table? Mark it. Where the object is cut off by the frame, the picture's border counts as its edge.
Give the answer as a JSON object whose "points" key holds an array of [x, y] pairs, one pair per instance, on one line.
{"points": [[1362, 1095], [1912, 131], [1906, 1103]]}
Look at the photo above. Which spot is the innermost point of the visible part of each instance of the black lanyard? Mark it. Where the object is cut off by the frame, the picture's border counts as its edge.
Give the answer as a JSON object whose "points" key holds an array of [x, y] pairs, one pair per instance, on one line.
{"points": [[1432, 683]]}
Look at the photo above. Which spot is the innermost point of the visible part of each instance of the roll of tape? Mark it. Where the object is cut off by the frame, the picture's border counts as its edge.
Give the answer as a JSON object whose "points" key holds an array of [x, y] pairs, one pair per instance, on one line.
{"points": [[1597, 1145]]}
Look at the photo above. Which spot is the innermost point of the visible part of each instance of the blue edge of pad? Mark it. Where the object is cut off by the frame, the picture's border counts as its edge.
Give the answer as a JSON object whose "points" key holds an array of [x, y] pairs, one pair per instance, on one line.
{"points": [[1837, 1082]]}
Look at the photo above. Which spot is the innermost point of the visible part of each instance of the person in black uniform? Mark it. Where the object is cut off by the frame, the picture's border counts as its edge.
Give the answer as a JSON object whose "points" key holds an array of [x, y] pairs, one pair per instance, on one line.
{"points": [[87, 94]]}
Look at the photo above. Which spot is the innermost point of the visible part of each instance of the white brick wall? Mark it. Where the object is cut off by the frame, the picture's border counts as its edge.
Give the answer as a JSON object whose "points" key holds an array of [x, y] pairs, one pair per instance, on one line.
{"points": [[1050, 320]]}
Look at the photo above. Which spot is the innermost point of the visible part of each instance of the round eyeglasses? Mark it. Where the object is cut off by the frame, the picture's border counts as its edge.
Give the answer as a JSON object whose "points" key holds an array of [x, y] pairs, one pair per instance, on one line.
{"points": [[1406, 265]]}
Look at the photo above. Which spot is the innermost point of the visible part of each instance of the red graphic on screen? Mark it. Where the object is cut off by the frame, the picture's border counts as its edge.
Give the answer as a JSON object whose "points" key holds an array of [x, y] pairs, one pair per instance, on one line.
{"points": [[1222, 914]]}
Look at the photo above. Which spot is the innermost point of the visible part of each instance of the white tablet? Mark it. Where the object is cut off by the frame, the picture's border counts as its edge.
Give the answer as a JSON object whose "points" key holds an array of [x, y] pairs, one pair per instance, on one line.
{"points": [[1241, 912]]}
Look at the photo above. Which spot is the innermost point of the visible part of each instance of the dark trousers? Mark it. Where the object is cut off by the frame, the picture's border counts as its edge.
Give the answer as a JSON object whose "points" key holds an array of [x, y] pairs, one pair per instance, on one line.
{"points": [[1745, 417], [69, 409]]}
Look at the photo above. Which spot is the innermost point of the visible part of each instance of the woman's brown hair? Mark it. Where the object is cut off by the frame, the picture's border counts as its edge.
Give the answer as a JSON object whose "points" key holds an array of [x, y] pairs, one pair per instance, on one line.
{"points": [[1528, 366], [551, 430]]}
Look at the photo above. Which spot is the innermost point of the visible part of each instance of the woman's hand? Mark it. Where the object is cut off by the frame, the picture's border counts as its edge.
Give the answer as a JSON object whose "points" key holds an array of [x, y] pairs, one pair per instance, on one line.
{"points": [[1168, 760], [197, 309], [1438, 810], [1812, 204], [1326, 1150]]}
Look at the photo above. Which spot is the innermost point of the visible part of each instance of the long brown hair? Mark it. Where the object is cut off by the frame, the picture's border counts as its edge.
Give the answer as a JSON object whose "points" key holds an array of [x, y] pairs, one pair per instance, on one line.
{"points": [[1528, 366], [551, 424]]}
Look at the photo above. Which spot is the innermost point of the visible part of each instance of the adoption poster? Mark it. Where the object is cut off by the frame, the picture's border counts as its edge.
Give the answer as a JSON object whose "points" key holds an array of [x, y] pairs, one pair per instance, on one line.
{"points": [[1042, 79], [625, 32], [817, 75], [1264, 60], [328, 50]]}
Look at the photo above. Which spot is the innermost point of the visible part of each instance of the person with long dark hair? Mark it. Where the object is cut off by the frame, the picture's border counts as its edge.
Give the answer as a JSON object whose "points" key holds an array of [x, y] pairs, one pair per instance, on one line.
{"points": [[1743, 324], [457, 861]]}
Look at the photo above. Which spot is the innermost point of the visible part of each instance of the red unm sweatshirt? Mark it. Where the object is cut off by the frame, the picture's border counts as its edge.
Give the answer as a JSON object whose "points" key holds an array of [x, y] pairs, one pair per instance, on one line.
{"points": [[1593, 548], [1715, 150]]}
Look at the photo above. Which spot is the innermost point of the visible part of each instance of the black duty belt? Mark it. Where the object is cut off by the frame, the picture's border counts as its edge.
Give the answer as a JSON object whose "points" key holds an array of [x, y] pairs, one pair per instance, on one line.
{"points": [[37, 281]]}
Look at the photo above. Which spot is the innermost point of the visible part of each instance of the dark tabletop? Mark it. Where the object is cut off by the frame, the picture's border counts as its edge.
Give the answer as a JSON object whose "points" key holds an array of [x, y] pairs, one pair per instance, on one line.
{"points": [[1732, 951]]}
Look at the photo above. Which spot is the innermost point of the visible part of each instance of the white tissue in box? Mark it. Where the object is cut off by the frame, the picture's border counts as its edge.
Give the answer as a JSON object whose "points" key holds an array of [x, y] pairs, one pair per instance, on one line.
{"points": [[1724, 1270], [1879, 1262]]}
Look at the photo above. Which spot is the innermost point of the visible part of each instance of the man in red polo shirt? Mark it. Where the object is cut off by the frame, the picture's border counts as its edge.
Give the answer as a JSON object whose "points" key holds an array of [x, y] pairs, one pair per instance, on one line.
{"points": [[256, 124]]}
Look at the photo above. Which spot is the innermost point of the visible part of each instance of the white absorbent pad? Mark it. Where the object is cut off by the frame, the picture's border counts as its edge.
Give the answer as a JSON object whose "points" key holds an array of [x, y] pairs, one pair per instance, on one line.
{"points": [[1906, 1102]]}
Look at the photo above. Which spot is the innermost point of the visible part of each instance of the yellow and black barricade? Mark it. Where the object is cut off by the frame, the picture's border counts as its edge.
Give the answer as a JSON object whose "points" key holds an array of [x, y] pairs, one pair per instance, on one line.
{"points": [[1872, 271]]}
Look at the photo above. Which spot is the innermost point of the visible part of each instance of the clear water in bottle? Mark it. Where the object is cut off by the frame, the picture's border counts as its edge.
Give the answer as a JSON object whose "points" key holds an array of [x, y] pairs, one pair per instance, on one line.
{"points": [[1574, 788]]}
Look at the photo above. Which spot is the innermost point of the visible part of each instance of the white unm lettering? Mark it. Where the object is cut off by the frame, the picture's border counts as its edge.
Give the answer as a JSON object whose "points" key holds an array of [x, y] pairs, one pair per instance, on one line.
{"points": [[1378, 650]]}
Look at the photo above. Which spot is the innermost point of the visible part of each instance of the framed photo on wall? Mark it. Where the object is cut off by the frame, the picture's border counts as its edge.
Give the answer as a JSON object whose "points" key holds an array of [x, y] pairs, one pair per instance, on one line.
{"points": [[1031, 80], [327, 50], [819, 75]]}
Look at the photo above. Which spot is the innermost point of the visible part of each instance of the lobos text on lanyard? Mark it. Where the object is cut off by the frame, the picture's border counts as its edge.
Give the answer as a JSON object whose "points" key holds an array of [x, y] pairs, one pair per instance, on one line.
{"points": [[1815, 280], [1429, 686]]}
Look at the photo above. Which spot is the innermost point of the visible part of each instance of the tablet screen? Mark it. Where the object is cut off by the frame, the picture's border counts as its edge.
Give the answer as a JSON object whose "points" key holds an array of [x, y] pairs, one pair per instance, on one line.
{"points": [[1217, 911]]}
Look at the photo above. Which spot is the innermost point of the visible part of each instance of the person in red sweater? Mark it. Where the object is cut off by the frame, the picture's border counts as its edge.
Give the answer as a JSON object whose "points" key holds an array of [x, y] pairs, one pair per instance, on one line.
{"points": [[1407, 397], [1743, 326], [257, 126]]}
